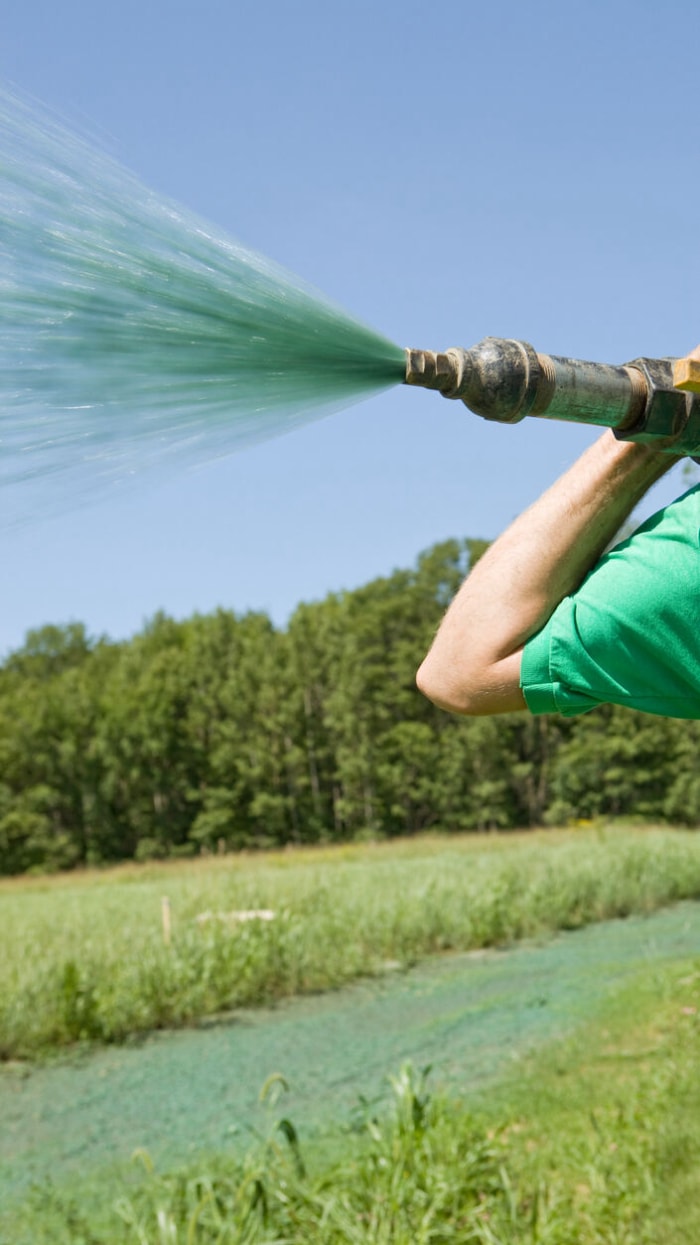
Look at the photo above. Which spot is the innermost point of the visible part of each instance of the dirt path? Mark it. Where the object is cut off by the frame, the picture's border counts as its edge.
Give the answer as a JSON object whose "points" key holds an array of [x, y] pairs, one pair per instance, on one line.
{"points": [[179, 1093]]}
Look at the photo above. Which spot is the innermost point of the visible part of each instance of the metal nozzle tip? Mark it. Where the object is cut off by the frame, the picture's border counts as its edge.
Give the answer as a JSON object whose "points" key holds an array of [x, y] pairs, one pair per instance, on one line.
{"points": [[431, 370]]}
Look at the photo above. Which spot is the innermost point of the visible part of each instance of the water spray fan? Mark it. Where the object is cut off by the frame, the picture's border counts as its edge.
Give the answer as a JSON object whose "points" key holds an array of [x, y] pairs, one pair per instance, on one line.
{"points": [[132, 333]]}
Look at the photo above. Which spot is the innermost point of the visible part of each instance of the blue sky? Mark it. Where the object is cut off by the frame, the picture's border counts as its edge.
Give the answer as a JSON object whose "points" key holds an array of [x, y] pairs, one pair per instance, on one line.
{"points": [[443, 172]]}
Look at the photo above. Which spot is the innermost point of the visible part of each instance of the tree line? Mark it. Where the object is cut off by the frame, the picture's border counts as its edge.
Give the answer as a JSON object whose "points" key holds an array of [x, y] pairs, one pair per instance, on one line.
{"points": [[224, 732]]}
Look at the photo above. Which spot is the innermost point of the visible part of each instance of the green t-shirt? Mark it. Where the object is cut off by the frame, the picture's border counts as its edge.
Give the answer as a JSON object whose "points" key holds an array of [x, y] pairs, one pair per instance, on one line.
{"points": [[630, 635]]}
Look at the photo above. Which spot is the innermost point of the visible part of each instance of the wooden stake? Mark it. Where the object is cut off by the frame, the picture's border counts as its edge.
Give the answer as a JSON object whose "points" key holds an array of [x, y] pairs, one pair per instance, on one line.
{"points": [[165, 915]]}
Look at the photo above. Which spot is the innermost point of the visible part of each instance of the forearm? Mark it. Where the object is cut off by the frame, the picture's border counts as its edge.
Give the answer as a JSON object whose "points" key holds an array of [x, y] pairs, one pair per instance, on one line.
{"points": [[474, 663]]}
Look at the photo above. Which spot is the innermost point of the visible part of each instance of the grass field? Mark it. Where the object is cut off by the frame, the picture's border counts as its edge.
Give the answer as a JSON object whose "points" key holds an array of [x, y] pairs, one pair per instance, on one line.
{"points": [[84, 957], [595, 1141]]}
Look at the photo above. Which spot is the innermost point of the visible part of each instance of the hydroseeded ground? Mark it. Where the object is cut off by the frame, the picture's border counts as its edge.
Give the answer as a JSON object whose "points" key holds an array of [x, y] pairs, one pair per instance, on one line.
{"points": [[470, 1016], [594, 1140]]}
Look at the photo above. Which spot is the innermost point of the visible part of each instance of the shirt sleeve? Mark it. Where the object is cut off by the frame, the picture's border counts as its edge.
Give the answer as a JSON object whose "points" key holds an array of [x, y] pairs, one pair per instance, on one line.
{"points": [[630, 635]]}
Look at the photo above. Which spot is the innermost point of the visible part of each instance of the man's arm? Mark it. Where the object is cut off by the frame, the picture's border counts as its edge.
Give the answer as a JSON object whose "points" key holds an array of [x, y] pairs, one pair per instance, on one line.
{"points": [[473, 666]]}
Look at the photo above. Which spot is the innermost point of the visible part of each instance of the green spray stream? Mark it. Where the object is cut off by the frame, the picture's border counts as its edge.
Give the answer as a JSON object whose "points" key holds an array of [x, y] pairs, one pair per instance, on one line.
{"points": [[132, 333]]}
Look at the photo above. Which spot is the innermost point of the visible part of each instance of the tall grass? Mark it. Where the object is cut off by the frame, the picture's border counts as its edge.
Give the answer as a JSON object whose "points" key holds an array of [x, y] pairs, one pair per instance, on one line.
{"points": [[84, 957], [427, 1174]]}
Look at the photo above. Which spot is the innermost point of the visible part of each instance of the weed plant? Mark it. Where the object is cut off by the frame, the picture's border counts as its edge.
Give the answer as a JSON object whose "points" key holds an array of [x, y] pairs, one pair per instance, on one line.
{"points": [[84, 957]]}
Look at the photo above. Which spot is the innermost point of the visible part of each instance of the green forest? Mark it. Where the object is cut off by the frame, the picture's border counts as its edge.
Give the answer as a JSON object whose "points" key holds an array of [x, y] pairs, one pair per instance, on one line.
{"points": [[224, 732]]}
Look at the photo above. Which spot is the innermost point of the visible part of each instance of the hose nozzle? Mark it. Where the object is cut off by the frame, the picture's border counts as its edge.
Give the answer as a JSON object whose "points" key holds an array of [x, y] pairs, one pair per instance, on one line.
{"points": [[431, 370], [504, 380], [499, 378]]}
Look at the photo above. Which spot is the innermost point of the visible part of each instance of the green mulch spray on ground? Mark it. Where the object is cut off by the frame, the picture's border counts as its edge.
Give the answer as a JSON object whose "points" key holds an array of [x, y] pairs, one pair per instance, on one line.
{"points": [[132, 332], [472, 1019]]}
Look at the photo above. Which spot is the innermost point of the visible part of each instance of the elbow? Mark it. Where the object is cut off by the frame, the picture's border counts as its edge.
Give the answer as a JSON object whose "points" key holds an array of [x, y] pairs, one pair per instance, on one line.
{"points": [[472, 688], [440, 685]]}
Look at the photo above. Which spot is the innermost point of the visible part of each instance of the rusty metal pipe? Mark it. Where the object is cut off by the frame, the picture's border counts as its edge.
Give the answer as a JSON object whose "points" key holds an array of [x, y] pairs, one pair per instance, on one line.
{"points": [[505, 380]]}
